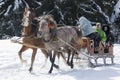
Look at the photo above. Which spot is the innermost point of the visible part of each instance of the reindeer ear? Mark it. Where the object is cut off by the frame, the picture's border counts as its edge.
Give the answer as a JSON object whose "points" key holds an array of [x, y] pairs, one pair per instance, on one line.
{"points": [[25, 9], [51, 25]]}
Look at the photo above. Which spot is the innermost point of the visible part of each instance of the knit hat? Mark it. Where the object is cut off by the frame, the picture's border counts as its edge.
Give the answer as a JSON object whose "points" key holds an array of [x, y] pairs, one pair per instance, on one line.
{"points": [[98, 24]]}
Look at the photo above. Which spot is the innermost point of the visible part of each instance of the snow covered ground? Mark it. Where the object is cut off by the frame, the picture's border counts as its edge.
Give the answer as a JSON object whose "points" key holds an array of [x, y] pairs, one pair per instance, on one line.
{"points": [[12, 69]]}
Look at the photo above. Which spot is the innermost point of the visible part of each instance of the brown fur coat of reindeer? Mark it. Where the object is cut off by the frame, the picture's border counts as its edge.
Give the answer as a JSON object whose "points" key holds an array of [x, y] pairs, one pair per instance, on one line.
{"points": [[29, 37]]}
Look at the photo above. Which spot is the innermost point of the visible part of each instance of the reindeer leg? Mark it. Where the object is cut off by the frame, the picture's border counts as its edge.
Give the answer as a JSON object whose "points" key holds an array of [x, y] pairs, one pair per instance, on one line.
{"points": [[24, 48], [52, 59], [72, 60], [46, 55], [33, 58], [63, 57], [69, 53]]}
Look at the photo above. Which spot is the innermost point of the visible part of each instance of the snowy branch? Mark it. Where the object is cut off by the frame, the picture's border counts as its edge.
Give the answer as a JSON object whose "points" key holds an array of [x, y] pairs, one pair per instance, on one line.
{"points": [[8, 9], [100, 11]]}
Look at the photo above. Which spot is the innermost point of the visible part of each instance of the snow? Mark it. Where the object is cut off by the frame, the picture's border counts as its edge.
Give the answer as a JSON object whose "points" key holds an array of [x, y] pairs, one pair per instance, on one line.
{"points": [[38, 3], [16, 4], [117, 8], [1, 3], [27, 5], [8, 9], [12, 69], [117, 12]]}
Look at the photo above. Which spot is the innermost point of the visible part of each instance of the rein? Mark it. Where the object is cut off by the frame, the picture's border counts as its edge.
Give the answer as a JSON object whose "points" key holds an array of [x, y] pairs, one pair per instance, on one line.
{"points": [[26, 44]]}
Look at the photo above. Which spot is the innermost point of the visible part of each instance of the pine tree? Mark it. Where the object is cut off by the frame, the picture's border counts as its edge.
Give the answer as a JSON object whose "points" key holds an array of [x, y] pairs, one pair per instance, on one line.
{"points": [[65, 12]]}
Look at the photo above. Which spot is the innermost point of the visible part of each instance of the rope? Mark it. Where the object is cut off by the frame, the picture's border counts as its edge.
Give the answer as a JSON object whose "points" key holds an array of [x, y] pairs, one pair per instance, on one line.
{"points": [[29, 45]]}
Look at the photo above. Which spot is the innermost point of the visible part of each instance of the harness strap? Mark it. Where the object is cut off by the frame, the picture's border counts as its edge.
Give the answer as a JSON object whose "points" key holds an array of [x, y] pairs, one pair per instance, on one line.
{"points": [[26, 44], [75, 48], [33, 46]]}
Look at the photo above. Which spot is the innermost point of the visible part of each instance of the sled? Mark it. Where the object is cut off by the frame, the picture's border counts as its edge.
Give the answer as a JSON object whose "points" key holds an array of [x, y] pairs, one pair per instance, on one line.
{"points": [[103, 52]]}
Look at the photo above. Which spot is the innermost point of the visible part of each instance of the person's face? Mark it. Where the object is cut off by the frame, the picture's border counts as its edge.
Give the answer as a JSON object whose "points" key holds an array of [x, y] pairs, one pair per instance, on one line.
{"points": [[98, 27], [105, 28]]}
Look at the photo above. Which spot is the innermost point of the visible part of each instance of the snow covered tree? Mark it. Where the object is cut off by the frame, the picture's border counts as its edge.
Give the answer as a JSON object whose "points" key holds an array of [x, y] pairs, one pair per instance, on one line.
{"points": [[65, 12]]}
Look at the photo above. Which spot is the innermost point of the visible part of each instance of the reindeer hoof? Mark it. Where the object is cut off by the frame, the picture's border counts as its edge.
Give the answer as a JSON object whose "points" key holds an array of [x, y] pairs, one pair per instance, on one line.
{"points": [[72, 66], [68, 64], [30, 70], [56, 66], [50, 72]]}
